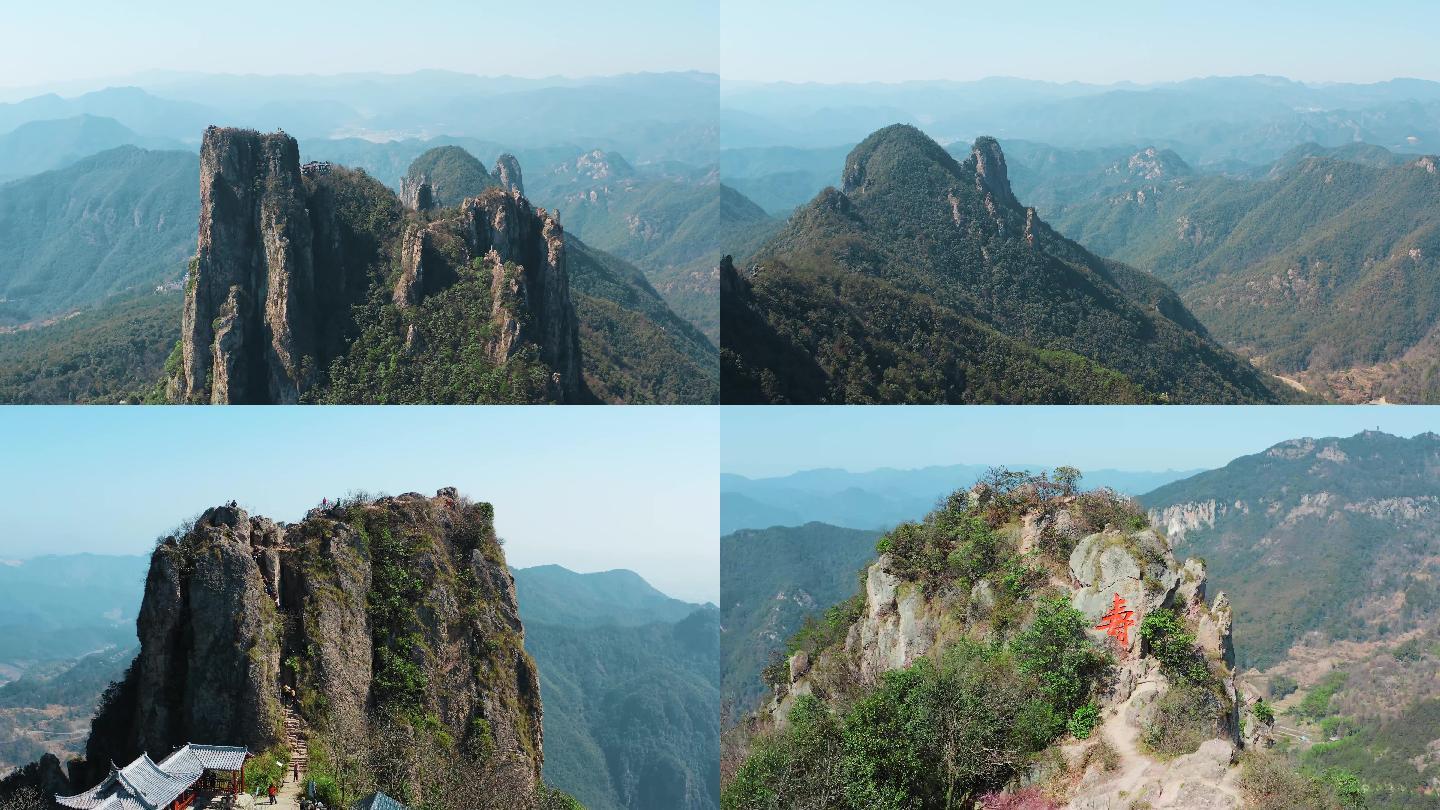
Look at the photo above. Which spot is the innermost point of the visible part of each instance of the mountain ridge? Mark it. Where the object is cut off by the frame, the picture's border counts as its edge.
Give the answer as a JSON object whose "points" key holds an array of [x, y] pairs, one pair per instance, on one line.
{"points": [[910, 218], [1281, 265]]}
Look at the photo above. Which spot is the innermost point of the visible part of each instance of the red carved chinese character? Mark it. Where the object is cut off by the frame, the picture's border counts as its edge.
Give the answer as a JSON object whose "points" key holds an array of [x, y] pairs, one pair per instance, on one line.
{"points": [[1117, 622]]}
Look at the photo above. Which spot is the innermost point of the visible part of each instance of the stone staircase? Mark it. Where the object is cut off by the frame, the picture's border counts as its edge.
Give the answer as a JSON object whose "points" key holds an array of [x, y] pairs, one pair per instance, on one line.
{"points": [[296, 739], [296, 736]]}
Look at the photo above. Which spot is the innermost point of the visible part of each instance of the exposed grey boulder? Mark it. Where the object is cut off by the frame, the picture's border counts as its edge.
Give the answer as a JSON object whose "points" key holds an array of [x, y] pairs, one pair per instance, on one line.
{"points": [[897, 627], [1193, 577], [991, 173], [416, 193], [799, 665]]}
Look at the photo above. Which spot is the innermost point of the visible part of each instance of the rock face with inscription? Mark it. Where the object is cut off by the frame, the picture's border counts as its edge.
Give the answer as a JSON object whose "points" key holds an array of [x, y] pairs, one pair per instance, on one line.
{"points": [[1168, 642]]}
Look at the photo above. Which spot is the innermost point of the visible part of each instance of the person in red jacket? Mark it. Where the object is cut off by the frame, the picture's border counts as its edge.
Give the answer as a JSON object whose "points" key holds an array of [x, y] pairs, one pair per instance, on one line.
{"points": [[272, 793]]}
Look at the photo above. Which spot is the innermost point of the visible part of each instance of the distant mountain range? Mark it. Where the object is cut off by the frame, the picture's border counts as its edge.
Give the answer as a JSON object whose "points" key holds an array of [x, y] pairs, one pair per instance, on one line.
{"points": [[879, 499], [113, 222], [925, 280], [771, 580], [1253, 119], [62, 607], [39, 146], [647, 116], [553, 594], [1322, 266], [631, 683]]}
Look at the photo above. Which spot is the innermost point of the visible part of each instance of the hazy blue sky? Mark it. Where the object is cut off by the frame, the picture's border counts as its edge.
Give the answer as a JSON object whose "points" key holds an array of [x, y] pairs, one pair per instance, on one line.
{"points": [[1064, 40], [776, 441], [588, 488], [51, 42]]}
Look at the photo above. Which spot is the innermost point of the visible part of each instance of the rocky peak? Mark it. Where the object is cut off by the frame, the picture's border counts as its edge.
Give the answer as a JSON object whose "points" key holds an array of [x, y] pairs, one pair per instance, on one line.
{"points": [[507, 173], [730, 282], [246, 335], [1152, 164], [416, 193], [889, 156], [991, 173], [281, 264], [523, 248], [244, 618], [597, 164], [442, 177]]}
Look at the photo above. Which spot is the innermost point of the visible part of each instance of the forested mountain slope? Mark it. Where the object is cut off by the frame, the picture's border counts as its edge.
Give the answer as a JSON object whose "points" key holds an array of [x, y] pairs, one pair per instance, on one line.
{"points": [[1323, 269], [925, 280]]}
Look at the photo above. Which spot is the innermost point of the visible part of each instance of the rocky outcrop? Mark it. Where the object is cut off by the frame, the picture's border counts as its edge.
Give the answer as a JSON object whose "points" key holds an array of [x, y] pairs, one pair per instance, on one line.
{"points": [[243, 616], [1140, 568], [282, 263], [903, 622], [416, 193], [1180, 519], [523, 248], [534, 305], [507, 173], [899, 625], [1137, 567], [991, 173], [246, 333], [417, 251]]}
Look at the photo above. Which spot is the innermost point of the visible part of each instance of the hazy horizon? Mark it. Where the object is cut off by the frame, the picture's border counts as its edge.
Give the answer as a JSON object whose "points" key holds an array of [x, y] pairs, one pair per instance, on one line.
{"points": [[923, 467], [52, 44], [1323, 40], [782, 441], [156, 79], [1068, 82]]}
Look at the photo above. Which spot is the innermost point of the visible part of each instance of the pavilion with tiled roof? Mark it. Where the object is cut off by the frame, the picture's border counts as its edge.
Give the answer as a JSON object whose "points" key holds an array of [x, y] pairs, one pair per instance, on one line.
{"points": [[170, 784]]}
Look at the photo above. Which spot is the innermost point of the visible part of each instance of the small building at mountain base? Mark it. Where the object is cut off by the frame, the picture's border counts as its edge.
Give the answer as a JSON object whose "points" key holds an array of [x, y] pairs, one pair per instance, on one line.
{"points": [[171, 784]]}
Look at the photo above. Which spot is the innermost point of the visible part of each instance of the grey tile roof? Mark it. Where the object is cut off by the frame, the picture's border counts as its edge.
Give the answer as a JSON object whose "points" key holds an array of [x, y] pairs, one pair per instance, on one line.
{"points": [[378, 801], [144, 785]]}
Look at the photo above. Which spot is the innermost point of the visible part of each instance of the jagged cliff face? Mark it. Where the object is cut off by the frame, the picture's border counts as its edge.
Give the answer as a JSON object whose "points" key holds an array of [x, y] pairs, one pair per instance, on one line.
{"points": [[286, 254], [373, 621], [523, 249], [507, 173], [245, 335]]}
